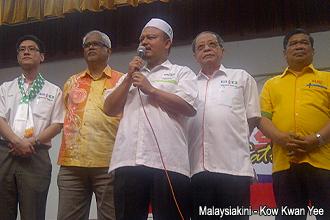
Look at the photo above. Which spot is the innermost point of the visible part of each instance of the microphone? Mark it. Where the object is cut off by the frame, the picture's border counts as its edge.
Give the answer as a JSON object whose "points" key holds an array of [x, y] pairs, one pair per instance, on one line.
{"points": [[141, 50]]}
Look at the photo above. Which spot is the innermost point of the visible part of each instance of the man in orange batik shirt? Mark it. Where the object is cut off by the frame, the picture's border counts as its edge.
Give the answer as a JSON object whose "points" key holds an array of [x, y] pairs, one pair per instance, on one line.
{"points": [[88, 136]]}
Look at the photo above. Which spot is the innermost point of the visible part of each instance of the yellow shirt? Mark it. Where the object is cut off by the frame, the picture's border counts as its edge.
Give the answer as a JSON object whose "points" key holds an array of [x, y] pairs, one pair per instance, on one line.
{"points": [[88, 134], [298, 104]]}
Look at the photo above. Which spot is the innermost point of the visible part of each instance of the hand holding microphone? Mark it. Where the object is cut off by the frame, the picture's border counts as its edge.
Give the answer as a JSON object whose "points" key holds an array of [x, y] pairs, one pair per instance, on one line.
{"points": [[137, 63], [141, 50], [138, 79]]}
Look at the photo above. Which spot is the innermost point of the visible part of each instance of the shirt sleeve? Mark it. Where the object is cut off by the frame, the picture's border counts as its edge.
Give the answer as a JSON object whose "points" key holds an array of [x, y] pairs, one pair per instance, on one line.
{"points": [[251, 97], [107, 92], [187, 87], [2, 101], [58, 110], [265, 101]]}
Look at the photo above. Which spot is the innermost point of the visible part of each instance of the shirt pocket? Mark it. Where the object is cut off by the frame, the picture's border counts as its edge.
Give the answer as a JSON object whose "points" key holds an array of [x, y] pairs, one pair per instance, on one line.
{"points": [[226, 96], [315, 96], [43, 109]]}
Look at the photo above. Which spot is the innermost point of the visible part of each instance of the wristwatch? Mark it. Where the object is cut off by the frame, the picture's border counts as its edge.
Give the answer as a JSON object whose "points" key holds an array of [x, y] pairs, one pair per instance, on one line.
{"points": [[320, 139]]}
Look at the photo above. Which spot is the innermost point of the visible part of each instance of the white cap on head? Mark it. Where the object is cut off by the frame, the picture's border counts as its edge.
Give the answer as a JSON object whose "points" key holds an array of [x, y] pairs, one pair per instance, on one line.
{"points": [[161, 25]]}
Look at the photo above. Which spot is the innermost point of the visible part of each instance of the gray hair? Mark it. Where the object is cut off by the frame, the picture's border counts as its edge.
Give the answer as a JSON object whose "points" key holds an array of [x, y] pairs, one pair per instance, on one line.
{"points": [[105, 38]]}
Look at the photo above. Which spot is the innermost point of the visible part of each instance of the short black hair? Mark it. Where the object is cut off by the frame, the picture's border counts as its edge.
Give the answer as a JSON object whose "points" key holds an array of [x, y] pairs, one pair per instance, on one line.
{"points": [[219, 39], [33, 38], [294, 32]]}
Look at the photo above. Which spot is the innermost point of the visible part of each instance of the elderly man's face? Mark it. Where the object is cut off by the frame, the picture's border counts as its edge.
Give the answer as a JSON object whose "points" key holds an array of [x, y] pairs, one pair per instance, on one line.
{"points": [[155, 42], [299, 50], [95, 49], [207, 50], [28, 54]]}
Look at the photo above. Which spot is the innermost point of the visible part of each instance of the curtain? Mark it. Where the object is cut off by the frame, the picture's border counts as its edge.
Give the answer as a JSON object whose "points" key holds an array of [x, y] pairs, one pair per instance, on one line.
{"points": [[25, 11], [232, 19]]}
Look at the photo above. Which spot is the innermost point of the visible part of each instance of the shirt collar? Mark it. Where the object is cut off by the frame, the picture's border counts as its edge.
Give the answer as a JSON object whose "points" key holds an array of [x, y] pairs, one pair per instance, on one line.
{"points": [[310, 69], [221, 71], [24, 77], [166, 64], [107, 71]]}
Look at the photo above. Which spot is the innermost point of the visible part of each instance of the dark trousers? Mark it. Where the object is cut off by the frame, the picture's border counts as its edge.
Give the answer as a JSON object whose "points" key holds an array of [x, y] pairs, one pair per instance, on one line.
{"points": [[300, 185], [136, 187], [219, 191], [76, 187], [24, 181]]}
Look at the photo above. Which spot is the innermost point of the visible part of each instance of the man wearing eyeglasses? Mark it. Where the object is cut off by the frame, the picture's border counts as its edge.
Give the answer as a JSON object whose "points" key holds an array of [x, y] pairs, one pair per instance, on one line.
{"points": [[31, 114], [88, 135], [219, 150]]}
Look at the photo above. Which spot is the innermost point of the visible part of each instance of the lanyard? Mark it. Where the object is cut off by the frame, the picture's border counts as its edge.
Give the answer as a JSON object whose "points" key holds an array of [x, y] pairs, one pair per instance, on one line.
{"points": [[36, 87]]}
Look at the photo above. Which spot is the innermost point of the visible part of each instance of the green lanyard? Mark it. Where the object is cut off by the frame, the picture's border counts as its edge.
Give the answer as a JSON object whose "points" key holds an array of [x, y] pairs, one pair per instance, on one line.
{"points": [[36, 87]]}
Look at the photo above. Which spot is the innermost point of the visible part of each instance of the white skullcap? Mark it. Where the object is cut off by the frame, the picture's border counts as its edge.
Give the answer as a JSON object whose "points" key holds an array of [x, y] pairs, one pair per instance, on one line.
{"points": [[161, 25]]}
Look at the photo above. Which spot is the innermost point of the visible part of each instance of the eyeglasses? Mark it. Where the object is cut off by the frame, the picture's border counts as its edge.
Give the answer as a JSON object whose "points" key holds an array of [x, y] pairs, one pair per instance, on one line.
{"points": [[29, 49], [212, 45], [95, 44]]}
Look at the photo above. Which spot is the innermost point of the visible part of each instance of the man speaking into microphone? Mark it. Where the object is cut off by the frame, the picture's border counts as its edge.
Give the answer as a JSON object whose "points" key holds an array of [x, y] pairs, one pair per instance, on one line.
{"points": [[155, 98]]}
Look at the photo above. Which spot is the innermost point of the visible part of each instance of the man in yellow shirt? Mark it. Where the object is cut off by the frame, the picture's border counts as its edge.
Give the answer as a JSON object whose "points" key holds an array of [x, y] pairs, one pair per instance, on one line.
{"points": [[296, 110], [88, 136]]}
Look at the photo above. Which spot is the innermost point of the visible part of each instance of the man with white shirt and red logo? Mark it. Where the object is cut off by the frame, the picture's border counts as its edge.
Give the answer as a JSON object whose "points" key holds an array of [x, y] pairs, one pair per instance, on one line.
{"points": [[155, 101], [31, 114], [219, 150]]}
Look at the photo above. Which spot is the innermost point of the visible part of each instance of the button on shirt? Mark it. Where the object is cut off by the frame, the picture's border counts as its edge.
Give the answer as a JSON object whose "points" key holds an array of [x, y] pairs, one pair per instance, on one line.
{"points": [[88, 133], [298, 104], [219, 133], [47, 106], [135, 143]]}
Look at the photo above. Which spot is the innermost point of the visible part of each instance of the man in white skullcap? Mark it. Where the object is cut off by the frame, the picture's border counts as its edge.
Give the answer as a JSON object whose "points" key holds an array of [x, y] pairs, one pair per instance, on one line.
{"points": [[155, 99]]}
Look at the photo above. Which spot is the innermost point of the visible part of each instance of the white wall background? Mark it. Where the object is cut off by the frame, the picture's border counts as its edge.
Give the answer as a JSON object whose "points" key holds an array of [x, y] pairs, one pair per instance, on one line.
{"points": [[257, 56]]}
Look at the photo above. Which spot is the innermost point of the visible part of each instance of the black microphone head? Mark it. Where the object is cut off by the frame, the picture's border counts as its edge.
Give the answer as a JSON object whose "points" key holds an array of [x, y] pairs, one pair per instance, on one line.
{"points": [[141, 50]]}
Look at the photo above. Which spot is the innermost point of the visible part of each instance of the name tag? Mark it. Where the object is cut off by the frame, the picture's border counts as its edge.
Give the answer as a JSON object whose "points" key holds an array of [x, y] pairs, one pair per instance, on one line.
{"points": [[45, 96], [168, 76], [228, 83]]}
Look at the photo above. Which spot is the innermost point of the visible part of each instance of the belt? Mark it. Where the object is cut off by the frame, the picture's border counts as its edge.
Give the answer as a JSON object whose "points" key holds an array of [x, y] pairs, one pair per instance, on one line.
{"points": [[5, 143]]}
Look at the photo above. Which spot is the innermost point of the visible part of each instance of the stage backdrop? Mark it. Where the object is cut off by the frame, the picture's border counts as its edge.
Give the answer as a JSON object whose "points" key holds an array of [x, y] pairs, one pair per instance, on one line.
{"points": [[260, 57], [261, 156]]}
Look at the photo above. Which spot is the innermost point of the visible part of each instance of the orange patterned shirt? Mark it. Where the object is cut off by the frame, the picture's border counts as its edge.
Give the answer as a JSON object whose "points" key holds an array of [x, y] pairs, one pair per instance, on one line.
{"points": [[88, 133]]}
